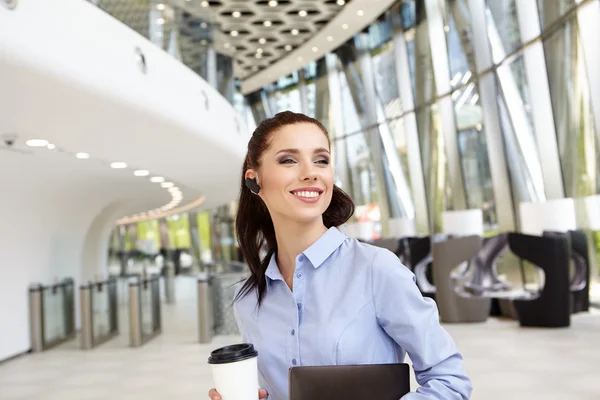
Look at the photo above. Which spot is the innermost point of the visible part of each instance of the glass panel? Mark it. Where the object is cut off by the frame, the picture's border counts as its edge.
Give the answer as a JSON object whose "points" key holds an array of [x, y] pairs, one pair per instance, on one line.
{"points": [[434, 163], [399, 137], [503, 27], [147, 311], [551, 10], [101, 312], [385, 82], [468, 113], [362, 174], [419, 58], [574, 120], [285, 100], [54, 314], [517, 125], [459, 38]]}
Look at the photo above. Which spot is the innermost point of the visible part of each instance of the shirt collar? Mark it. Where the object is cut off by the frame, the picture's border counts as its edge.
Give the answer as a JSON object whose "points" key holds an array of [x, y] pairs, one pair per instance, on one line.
{"points": [[317, 253], [320, 250]]}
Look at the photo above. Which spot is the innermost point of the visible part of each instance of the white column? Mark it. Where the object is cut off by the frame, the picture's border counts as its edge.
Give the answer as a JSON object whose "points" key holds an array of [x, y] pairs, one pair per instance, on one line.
{"points": [[415, 165], [543, 116], [441, 70], [491, 119]]}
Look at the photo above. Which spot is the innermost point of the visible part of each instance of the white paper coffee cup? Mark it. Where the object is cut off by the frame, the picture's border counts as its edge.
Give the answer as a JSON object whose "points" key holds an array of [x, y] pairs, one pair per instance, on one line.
{"points": [[235, 371]]}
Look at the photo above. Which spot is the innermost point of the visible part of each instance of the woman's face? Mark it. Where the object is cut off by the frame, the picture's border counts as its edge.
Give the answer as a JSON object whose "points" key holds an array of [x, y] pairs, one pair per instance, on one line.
{"points": [[296, 176]]}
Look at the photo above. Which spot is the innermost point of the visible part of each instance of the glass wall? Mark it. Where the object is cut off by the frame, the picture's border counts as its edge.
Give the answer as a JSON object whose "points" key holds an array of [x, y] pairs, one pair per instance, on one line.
{"points": [[400, 150]]}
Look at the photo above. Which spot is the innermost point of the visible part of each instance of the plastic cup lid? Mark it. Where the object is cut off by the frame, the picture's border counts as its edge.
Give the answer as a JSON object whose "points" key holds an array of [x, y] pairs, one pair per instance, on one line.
{"points": [[233, 353]]}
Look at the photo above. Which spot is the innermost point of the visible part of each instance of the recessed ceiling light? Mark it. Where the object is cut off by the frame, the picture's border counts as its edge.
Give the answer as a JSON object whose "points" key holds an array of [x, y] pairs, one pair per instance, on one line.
{"points": [[174, 190], [37, 143], [258, 55], [259, 50], [51, 146], [82, 156], [295, 32], [273, 3], [118, 165], [330, 38], [227, 45], [254, 68], [204, 4], [203, 25], [345, 26], [236, 14], [167, 185], [157, 179], [203, 42], [315, 49], [141, 172], [160, 7], [262, 40], [302, 13], [267, 23], [341, 2], [360, 13], [288, 47], [234, 33], [160, 21]]}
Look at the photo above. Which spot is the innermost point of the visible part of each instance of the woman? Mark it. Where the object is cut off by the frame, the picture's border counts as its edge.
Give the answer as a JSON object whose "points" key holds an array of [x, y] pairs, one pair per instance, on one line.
{"points": [[319, 297]]}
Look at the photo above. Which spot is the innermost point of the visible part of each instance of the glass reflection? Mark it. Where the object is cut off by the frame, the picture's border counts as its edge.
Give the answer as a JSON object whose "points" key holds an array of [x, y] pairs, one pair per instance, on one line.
{"points": [[573, 117], [551, 10], [519, 137], [54, 301], [434, 164], [503, 27], [419, 56], [459, 38]]}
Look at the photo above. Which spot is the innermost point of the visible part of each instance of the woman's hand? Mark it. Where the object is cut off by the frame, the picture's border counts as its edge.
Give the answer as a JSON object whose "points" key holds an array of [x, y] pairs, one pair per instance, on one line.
{"points": [[214, 395]]}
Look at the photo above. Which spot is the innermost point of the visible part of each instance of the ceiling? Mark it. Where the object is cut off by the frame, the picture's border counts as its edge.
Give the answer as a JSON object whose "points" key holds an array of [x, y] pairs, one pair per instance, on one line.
{"points": [[256, 33], [94, 94]]}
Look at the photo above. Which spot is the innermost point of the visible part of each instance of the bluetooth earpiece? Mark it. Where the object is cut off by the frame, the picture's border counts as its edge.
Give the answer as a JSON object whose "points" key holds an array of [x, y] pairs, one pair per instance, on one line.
{"points": [[252, 185]]}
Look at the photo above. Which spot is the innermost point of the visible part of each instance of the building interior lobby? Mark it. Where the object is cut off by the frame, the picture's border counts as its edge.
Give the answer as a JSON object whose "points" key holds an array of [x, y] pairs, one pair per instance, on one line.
{"points": [[466, 132]]}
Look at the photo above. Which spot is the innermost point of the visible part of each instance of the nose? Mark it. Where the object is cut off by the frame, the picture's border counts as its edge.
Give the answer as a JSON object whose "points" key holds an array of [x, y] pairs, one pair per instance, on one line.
{"points": [[308, 172]]}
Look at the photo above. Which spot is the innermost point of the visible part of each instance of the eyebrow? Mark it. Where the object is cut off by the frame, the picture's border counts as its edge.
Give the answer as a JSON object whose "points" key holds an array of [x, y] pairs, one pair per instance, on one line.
{"points": [[296, 151]]}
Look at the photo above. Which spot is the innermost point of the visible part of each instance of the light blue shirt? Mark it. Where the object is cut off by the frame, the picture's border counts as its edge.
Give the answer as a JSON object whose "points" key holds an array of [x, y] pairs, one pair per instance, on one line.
{"points": [[352, 303]]}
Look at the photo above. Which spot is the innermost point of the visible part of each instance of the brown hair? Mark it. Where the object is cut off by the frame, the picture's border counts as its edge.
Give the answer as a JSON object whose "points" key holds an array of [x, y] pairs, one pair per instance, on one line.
{"points": [[253, 224]]}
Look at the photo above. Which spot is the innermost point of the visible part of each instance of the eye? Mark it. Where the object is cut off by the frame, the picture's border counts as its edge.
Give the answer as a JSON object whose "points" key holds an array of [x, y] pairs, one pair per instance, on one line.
{"points": [[287, 160], [324, 161]]}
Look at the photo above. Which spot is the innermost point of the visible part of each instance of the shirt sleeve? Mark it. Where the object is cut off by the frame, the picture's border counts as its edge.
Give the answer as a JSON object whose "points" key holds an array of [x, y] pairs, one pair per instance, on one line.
{"points": [[413, 322]]}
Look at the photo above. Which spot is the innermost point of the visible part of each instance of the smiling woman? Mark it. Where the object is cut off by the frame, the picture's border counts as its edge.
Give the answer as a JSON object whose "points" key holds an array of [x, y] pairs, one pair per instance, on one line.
{"points": [[287, 190], [318, 297]]}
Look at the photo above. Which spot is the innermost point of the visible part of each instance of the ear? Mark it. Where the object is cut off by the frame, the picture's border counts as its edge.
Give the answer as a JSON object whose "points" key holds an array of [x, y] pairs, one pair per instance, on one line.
{"points": [[251, 174]]}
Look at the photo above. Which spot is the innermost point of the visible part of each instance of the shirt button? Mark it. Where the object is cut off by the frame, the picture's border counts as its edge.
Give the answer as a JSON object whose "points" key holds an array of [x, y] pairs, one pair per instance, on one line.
{"points": [[300, 258], [299, 306], [298, 275], [293, 332], [294, 362]]}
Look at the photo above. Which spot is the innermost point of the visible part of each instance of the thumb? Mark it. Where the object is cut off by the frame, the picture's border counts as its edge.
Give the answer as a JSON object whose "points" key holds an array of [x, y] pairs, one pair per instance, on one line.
{"points": [[262, 394]]}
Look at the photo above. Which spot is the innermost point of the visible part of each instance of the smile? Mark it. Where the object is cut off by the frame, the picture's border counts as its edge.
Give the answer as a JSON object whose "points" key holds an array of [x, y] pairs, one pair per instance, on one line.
{"points": [[307, 195]]}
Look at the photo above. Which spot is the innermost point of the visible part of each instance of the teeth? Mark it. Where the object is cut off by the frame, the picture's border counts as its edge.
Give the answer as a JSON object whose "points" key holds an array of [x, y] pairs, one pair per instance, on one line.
{"points": [[307, 194]]}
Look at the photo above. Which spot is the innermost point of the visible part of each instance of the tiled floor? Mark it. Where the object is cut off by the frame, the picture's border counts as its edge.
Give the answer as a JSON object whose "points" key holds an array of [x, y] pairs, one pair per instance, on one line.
{"points": [[503, 360]]}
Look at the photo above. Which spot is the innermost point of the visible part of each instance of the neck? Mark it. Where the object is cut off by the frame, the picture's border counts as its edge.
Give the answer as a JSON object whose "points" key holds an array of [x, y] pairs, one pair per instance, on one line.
{"points": [[293, 239]]}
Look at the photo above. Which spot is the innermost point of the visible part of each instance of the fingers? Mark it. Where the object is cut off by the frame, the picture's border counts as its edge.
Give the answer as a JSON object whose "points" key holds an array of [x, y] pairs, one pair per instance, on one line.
{"points": [[262, 394], [214, 395]]}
